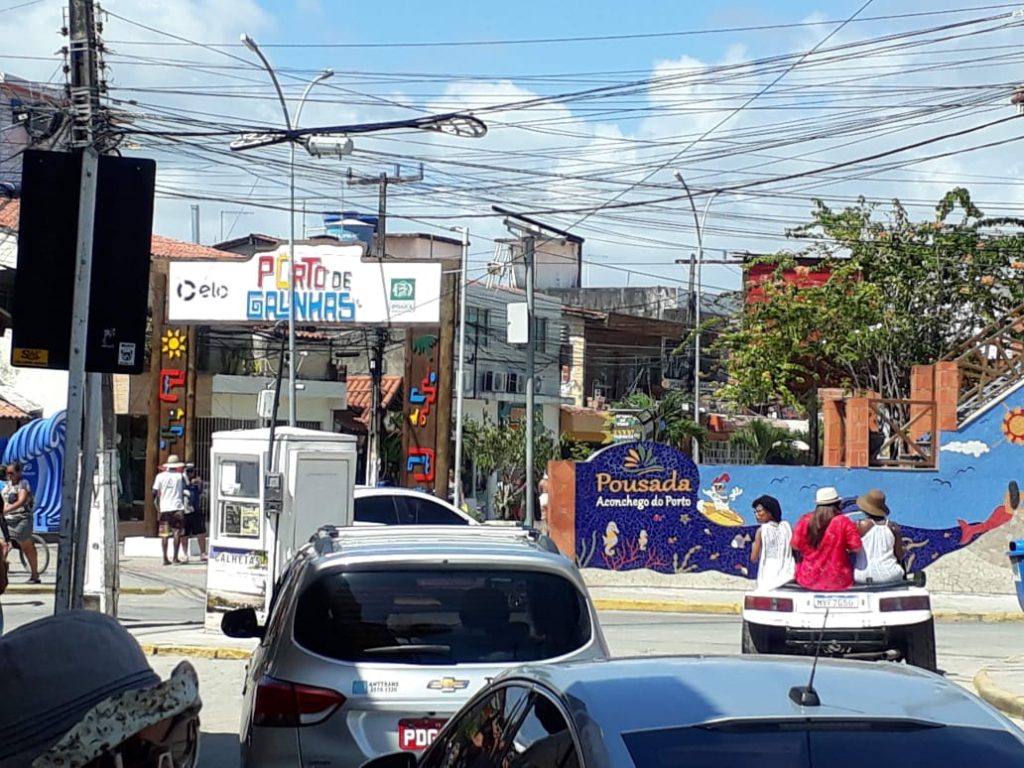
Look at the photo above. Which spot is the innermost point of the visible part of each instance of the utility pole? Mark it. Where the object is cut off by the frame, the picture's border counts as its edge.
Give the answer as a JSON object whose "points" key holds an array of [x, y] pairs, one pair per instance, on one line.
{"points": [[531, 330], [383, 335], [83, 90], [460, 386]]}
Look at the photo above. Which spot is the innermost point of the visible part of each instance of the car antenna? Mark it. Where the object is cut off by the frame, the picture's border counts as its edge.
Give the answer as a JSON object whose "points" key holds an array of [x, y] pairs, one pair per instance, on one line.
{"points": [[805, 695]]}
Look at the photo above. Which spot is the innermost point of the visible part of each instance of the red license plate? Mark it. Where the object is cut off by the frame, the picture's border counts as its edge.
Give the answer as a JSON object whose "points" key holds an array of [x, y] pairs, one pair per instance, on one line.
{"points": [[414, 735]]}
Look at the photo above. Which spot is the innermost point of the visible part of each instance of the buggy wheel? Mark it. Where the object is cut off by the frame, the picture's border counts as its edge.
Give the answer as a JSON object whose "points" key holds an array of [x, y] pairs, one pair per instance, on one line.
{"points": [[919, 646]]}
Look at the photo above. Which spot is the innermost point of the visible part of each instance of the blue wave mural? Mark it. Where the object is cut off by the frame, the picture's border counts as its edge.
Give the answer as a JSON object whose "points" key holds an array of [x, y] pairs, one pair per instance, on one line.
{"points": [[39, 446]]}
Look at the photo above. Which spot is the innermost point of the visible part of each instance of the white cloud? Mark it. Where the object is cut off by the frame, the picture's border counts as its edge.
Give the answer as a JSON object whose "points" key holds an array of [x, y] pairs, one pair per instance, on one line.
{"points": [[973, 448]]}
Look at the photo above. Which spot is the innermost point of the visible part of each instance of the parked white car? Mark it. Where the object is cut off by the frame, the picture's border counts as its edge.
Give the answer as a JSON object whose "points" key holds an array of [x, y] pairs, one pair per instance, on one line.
{"points": [[404, 506], [875, 621]]}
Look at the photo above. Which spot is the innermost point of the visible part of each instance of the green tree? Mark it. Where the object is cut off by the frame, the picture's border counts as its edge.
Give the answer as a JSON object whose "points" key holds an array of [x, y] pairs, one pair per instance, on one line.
{"points": [[574, 450], [900, 293], [768, 443], [672, 426], [501, 449]]}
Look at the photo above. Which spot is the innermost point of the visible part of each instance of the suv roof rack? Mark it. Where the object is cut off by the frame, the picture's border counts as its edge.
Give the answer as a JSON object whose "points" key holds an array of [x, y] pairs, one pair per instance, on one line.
{"points": [[327, 537]]}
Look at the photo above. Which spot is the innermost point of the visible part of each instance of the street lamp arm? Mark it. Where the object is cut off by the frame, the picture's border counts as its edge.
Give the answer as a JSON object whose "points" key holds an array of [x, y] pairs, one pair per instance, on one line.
{"points": [[693, 208], [327, 73], [252, 46]]}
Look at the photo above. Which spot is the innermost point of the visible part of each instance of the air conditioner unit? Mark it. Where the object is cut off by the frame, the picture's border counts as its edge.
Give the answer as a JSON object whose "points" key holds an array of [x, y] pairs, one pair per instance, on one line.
{"points": [[499, 382], [538, 384]]}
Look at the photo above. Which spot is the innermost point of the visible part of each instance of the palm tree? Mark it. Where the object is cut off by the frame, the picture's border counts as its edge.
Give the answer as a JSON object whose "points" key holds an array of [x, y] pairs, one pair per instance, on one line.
{"points": [[764, 439]]}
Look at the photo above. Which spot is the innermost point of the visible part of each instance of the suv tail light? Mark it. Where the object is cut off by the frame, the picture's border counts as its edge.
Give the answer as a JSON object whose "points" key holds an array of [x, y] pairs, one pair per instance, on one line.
{"points": [[280, 704], [913, 603], [755, 603]]}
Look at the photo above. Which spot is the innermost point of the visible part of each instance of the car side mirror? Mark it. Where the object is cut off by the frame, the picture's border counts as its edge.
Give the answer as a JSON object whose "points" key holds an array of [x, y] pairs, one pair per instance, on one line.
{"points": [[392, 760], [241, 622]]}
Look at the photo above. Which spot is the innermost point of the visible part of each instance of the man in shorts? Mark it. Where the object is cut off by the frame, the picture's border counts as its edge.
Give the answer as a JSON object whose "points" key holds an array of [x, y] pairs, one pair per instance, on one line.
{"points": [[169, 499]]}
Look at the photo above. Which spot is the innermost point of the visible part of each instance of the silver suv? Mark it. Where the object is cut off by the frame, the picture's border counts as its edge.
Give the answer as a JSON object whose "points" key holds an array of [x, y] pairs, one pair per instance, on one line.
{"points": [[376, 636]]}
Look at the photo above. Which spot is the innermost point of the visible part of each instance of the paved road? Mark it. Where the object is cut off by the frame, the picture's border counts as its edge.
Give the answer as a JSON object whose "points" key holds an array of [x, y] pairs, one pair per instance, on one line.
{"points": [[963, 649]]}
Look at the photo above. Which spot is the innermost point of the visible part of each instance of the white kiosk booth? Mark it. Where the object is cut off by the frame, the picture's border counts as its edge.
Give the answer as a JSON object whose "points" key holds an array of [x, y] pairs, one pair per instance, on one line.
{"points": [[264, 506]]}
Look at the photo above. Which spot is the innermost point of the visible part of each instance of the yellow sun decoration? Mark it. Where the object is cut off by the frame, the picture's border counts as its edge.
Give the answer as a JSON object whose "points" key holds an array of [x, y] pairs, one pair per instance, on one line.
{"points": [[1013, 426], [172, 343]]}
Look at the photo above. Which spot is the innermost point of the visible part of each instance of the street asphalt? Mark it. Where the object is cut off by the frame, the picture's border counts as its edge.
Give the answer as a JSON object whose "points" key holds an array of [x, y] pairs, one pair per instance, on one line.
{"points": [[162, 605]]}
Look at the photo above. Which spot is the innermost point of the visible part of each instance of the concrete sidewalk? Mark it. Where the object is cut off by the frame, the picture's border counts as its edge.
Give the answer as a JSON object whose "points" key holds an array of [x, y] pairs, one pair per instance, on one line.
{"points": [[945, 606], [1002, 685]]}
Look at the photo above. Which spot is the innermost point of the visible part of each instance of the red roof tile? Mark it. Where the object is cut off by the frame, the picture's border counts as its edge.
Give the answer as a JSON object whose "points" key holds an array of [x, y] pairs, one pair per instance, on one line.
{"points": [[358, 389], [162, 247], [11, 411], [9, 213]]}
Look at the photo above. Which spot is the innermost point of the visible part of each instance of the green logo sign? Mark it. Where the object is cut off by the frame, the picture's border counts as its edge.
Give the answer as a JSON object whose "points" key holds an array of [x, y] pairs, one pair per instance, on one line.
{"points": [[403, 289]]}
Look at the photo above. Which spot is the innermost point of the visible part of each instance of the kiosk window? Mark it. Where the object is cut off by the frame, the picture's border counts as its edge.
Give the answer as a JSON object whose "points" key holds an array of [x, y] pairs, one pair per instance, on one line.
{"points": [[240, 478]]}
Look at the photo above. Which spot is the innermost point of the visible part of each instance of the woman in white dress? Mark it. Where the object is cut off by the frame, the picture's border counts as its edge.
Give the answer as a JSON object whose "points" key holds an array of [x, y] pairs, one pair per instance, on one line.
{"points": [[772, 548], [880, 560]]}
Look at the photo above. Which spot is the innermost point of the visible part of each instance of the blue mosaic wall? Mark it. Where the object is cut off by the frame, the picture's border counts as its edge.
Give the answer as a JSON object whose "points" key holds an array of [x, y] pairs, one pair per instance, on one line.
{"points": [[624, 524]]}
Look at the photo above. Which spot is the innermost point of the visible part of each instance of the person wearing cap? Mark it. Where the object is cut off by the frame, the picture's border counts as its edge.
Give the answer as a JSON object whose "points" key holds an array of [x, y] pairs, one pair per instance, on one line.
{"points": [[169, 498], [825, 539], [77, 692], [879, 562]]}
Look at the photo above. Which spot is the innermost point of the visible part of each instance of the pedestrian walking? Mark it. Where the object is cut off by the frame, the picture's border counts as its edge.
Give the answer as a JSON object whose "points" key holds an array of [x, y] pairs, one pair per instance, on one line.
{"points": [[880, 561], [772, 549], [169, 499], [544, 496], [825, 539], [18, 505], [195, 521], [5, 549]]}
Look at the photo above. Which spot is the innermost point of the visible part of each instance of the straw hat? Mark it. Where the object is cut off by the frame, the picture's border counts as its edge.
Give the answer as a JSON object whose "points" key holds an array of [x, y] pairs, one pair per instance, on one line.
{"points": [[873, 502], [826, 495], [174, 462]]}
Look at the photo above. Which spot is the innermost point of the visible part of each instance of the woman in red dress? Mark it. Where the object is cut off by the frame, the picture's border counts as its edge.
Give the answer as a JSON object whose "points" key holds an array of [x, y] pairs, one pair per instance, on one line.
{"points": [[825, 539]]}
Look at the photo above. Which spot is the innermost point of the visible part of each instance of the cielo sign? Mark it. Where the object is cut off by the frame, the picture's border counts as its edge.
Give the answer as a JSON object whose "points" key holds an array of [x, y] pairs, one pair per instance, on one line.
{"points": [[333, 285]]}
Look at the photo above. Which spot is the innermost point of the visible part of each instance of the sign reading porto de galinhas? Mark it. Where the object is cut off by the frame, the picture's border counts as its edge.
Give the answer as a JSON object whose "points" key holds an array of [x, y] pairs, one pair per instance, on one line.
{"points": [[638, 506]]}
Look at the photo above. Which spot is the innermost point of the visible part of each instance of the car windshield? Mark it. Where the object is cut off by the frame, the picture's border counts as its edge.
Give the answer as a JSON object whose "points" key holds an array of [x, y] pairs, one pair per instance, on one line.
{"points": [[442, 616], [799, 745]]}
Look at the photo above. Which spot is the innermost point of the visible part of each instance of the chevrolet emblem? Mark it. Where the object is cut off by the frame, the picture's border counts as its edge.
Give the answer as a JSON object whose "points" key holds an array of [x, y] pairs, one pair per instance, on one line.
{"points": [[448, 685]]}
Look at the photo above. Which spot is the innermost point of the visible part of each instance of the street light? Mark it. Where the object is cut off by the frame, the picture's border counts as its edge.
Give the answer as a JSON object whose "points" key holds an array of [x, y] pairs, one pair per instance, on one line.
{"points": [[460, 371], [699, 224], [251, 45]]}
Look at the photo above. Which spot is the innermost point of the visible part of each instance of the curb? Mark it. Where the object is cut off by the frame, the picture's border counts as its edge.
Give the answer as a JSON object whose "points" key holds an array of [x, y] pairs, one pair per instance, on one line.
{"points": [[47, 589], [1008, 703], [664, 606], [733, 609], [196, 651]]}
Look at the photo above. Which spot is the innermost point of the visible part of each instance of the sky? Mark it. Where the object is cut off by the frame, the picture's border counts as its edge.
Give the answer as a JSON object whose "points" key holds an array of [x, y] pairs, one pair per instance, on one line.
{"points": [[754, 101]]}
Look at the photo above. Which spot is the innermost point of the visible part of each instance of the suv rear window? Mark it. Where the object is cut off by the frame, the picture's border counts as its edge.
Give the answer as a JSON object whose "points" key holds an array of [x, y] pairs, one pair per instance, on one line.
{"points": [[797, 745], [441, 616]]}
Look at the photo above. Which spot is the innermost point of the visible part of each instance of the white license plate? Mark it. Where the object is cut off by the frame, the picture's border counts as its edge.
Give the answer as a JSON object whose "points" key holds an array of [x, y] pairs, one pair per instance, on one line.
{"points": [[414, 735], [837, 602]]}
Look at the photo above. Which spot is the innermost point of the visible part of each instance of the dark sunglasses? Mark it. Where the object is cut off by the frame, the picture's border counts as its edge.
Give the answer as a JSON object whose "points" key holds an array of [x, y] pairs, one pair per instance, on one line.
{"points": [[179, 748]]}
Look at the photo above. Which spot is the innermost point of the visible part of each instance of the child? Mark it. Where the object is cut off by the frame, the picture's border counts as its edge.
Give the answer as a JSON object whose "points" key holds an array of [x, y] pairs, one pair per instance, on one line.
{"points": [[879, 561], [772, 548]]}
